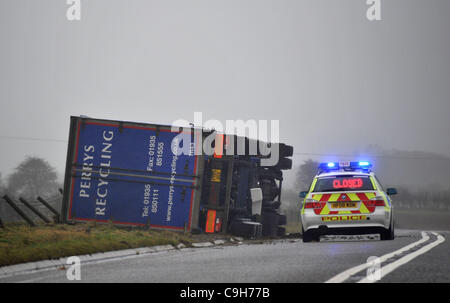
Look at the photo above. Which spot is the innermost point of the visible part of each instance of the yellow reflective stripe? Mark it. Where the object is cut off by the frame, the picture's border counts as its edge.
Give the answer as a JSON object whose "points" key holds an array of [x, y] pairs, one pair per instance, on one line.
{"points": [[317, 197], [373, 183], [344, 212], [313, 184], [353, 196], [303, 205], [334, 197], [325, 210], [386, 203], [363, 209], [371, 195]]}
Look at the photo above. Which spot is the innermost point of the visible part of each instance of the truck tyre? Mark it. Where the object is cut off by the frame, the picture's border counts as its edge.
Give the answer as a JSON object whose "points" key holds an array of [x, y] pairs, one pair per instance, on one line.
{"points": [[286, 150], [281, 231], [282, 220], [284, 163], [276, 204], [245, 228], [269, 207], [271, 173], [270, 224]]}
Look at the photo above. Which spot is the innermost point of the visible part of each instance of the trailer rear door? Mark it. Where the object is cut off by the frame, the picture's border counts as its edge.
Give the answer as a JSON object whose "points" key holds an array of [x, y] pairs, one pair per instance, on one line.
{"points": [[126, 173]]}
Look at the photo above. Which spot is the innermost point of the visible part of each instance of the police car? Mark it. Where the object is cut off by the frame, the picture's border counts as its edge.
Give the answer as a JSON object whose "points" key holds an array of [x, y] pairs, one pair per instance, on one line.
{"points": [[346, 198]]}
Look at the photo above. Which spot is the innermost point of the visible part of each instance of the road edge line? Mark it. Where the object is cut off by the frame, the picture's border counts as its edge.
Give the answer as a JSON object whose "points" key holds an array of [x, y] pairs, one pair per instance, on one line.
{"points": [[385, 270], [341, 277]]}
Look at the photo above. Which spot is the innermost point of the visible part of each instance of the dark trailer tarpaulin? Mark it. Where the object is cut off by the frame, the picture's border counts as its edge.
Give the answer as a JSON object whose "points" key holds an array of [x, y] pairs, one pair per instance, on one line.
{"points": [[126, 173]]}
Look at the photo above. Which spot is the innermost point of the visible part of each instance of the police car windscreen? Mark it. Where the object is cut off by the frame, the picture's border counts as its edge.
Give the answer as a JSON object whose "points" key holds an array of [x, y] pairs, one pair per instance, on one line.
{"points": [[343, 183]]}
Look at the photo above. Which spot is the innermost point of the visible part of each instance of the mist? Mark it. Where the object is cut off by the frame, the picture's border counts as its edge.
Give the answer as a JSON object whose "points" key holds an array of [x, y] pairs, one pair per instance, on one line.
{"points": [[338, 83]]}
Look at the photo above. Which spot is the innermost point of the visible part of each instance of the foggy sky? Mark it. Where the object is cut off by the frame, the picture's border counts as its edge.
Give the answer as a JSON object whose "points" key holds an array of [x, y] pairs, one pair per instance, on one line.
{"points": [[336, 81]]}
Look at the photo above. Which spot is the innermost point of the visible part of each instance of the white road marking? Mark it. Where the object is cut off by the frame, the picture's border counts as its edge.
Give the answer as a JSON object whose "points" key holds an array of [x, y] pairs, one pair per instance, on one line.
{"points": [[32, 280], [347, 238], [392, 266], [339, 278], [86, 260]]}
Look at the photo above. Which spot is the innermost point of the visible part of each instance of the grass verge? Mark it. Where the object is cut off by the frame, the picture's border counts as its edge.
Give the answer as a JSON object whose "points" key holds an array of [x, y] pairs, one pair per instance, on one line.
{"points": [[294, 227], [20, 243]]}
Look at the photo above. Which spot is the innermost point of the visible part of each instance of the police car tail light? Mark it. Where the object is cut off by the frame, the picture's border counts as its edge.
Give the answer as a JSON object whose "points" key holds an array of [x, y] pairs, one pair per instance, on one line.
{"points": [[311, 203], [377, 201]]}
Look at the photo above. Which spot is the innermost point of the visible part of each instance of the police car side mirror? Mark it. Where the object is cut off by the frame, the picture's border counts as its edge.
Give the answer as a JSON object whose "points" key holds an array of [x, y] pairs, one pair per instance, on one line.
{"points": [[391, 191], [303, 194]]}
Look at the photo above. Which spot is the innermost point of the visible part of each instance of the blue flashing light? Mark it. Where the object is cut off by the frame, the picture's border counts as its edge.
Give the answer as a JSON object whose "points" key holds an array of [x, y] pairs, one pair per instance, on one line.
{"points": [[327, 166], [347, 166]]}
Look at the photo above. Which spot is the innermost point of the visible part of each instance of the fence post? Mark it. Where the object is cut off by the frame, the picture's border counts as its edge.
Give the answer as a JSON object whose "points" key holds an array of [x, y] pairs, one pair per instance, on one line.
{"points": [[50, 208], [33, 209], [18, 210]]}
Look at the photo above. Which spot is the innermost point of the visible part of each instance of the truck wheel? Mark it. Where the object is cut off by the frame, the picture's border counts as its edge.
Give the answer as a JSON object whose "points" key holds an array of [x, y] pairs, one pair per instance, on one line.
{"points": [[284, 163], [281, 231], [282, 220], [269, 224], [286, 150], [271, 204], [246, 229], [270, 173], [269, 208]]}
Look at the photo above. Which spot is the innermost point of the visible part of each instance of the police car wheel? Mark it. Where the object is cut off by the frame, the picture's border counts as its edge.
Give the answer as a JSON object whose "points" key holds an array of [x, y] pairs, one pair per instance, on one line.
{"points": [[388, 234], [308, 236]]}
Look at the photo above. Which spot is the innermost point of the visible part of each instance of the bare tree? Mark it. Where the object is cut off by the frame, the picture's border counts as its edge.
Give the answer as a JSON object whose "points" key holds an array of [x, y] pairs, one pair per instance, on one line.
{"points": [[2, 192], [33, 177], [306, 173], [2, 187]]}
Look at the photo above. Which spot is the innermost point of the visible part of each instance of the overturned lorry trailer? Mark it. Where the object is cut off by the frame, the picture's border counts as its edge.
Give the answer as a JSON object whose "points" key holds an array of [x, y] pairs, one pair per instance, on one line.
{"points": [[158, 176]]}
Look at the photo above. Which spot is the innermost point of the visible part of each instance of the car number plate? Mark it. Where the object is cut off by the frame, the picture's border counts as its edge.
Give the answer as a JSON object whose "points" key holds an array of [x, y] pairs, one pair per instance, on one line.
{"points": [[343, 205]]}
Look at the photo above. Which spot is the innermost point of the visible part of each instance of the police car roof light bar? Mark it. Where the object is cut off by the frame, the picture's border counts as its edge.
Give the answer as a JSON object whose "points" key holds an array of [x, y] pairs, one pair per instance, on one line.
{"points": [[346, 166]]}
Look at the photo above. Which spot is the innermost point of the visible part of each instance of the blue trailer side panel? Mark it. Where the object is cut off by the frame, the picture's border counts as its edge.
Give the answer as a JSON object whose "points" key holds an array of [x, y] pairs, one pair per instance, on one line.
{"points": [[129, 174]]}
